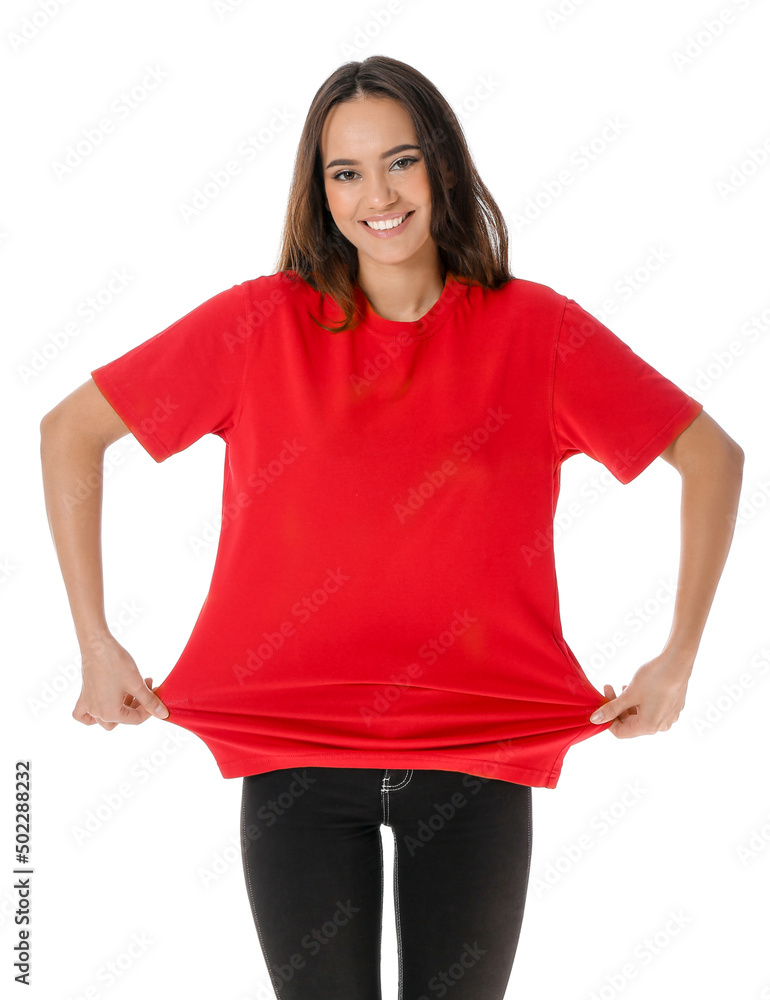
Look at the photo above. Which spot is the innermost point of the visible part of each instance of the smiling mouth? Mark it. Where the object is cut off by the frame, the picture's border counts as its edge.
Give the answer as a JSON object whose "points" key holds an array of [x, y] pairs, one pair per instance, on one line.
{"points": [[387, 224]]}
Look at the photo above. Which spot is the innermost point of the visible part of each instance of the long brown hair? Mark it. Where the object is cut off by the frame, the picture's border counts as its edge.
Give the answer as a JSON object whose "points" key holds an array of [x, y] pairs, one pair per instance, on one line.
{"points": [[466, 223]]}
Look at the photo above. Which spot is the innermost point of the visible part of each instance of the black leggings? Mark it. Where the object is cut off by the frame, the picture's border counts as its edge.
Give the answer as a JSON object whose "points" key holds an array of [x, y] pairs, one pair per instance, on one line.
{"points": [[313, 863]]}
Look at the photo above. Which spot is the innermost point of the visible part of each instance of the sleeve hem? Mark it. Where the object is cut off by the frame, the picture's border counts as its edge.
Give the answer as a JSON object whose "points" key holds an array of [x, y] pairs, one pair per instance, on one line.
{"points": [[122, 406], [680, 420]]}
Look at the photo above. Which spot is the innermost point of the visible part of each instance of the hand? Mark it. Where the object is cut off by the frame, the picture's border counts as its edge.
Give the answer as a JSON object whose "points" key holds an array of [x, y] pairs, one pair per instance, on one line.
{"points": [[113, 690], [651, 702]]}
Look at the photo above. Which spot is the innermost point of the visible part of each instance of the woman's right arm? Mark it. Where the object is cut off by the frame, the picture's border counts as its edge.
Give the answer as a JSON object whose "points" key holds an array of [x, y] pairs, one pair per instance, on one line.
{"points": [[74, 436]]}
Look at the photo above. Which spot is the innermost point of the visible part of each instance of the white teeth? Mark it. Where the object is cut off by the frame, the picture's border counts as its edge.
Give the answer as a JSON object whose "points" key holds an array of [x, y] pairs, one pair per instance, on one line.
{"points": [[388, 224]]}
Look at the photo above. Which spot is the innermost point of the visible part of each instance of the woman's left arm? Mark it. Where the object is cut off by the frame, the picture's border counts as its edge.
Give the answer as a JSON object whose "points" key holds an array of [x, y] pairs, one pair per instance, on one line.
{"points": [[711, 466]]}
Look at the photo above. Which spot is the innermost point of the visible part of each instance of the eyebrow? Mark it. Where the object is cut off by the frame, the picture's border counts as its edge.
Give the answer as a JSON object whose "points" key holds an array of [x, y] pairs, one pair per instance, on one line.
{"points": [[355, 163]]}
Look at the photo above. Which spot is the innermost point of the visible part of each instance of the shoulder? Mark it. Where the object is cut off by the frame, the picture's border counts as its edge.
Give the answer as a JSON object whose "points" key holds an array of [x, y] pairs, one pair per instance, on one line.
{"points": [[282, 294], [277, 287], [531, 300]]}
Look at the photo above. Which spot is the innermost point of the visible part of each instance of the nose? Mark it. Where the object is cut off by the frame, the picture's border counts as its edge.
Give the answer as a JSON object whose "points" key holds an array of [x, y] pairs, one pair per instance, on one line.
{"points": [[378, 194]]}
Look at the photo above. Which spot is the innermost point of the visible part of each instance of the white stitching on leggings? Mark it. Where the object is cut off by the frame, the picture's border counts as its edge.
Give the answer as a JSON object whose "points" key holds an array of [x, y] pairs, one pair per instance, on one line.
{"points": [[398, 918], [529, 837], [404, 783], [382, 897], [384, 797], [391, 788], [251, 894]]}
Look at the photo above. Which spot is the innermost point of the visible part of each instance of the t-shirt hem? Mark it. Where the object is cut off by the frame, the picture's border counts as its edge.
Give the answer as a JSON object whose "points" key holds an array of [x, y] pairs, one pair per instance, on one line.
{"points": [[240, 767]]}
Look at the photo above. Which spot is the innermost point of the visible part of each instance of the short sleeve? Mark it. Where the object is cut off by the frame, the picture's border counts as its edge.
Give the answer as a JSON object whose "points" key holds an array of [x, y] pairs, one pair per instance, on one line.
{"points": [[184, 382], [608, 402]]}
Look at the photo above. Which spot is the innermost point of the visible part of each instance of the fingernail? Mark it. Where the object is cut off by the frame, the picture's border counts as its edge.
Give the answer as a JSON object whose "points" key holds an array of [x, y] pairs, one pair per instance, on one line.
{"points": [[162, 711], [597, 716]]}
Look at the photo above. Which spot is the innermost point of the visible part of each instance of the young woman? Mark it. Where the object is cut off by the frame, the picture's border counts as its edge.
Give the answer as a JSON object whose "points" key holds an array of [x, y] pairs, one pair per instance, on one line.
{"points": [[381, 642]]}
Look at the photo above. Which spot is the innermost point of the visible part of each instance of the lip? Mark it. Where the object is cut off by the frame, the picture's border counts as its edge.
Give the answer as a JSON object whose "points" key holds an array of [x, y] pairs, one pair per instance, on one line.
{"points": [[382, 218], [385, 234]]}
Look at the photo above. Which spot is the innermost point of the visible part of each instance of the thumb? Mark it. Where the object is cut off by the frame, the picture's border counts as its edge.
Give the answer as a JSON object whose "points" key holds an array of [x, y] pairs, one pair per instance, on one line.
{"points": [[610, 709], [149, 701]]}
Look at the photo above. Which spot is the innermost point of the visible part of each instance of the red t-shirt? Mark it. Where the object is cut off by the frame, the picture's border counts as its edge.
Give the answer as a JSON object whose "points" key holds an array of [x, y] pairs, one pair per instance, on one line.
{"points": [[383, 597]]}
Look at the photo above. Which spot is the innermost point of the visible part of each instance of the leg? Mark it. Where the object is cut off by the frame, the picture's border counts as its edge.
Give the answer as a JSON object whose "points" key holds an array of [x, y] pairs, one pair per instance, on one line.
{"points": [[461, 868], [312, 857]]}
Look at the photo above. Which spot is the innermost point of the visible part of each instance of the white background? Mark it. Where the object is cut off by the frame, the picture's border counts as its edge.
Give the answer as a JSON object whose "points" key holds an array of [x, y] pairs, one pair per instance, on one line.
{"points": [[689, 809]]}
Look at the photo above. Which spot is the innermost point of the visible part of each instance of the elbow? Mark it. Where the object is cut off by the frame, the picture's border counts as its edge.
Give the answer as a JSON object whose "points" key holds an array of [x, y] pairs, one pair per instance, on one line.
{"points": [[51, 423], [46, 422], [735, 455], [49, 419]]}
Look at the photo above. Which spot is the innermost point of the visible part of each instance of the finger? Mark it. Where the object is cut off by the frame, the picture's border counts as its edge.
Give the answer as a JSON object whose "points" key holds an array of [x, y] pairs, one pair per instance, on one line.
{"points": [[609, 710], [150, 702], [81, 715], [627, 727], [132, 716]]}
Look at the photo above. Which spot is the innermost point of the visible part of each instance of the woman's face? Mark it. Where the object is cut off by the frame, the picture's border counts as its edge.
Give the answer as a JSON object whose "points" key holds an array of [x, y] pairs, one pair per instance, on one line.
{"points": [[379, 176]]}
